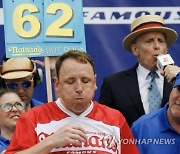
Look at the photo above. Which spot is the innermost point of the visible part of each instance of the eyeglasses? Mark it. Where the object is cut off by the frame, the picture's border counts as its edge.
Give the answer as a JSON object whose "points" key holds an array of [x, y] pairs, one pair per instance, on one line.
{"points": [[8, 106], [14, 85]]}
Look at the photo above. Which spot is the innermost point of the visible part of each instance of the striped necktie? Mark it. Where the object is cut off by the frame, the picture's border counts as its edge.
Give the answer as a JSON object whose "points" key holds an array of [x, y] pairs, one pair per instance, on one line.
{"points": [[154, 96]]}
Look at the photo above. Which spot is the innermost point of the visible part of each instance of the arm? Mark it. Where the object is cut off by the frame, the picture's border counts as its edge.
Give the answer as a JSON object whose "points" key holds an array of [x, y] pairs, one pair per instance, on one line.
{"points": [[71, 134], [52, 61], [27, 141]]}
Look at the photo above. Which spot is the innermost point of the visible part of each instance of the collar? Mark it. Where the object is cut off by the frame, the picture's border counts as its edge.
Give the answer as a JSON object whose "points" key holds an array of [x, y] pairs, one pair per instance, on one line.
{"points": [[4, 140], [71, 114], [142, 71]]}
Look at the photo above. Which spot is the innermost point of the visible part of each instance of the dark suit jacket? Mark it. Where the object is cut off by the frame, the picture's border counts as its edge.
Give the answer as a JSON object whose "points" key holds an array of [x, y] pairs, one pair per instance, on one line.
{"points": [[121, 91]]}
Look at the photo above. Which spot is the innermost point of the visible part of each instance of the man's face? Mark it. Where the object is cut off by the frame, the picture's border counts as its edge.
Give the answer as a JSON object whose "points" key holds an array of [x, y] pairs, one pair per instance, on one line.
{"points": [[9, 119], [24, 88], [174, 103], [76, 85], [147, 47]]}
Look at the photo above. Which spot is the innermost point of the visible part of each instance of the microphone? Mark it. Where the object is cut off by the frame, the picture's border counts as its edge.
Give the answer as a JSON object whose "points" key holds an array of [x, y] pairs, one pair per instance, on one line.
{"points": [[164, 60]]}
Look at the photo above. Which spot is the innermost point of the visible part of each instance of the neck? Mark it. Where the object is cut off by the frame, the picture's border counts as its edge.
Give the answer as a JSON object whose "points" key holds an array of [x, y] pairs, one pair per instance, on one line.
{"points": [[174, 122], [28, 106], [7, 132]]}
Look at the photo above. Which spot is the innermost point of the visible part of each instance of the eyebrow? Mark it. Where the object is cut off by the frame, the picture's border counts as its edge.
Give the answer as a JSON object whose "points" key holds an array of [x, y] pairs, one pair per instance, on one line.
{"points": [[10, 103]]}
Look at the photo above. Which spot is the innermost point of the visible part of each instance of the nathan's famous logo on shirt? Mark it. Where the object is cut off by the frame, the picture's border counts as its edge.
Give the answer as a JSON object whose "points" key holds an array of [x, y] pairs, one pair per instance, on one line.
{"points": [[95, 142], [106, 143]]}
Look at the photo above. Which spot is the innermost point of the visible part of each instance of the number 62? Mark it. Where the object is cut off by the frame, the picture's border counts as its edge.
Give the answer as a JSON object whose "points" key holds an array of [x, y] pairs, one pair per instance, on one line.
{"points": [[55, 29]]}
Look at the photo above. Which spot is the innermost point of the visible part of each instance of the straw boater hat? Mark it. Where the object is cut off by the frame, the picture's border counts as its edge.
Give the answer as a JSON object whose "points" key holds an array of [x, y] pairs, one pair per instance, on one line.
{"points": [[148, 23], [16, 68]]}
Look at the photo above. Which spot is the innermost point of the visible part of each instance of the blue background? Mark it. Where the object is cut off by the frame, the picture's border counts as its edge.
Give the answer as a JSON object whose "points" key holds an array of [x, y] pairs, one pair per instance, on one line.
{"points": [[104, 41]]}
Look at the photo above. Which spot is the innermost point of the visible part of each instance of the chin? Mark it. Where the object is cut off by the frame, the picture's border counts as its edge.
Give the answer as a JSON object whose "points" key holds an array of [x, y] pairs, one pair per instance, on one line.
{"points": [[175, 113], [79, 111], [13, 124]]}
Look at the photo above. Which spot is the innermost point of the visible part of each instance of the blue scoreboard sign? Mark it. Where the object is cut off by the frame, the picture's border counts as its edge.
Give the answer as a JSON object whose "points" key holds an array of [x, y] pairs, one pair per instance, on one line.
{"points": [[43, 27]]}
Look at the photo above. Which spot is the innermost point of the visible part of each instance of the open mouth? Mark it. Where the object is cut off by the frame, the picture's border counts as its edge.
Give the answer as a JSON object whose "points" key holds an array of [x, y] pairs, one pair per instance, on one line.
{"points": [[15, 116], [178, 104], [155, 56], [79, 98]]}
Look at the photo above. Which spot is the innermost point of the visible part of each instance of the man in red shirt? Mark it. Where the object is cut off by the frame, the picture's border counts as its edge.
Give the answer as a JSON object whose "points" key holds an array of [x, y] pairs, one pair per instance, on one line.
{"points": [[74, 123]]}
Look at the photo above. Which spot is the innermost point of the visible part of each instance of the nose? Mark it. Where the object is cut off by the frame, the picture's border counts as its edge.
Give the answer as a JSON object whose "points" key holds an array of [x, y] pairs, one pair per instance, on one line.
{"points": [[156, 45], [14, 108], [20, 89], [79, 87]]}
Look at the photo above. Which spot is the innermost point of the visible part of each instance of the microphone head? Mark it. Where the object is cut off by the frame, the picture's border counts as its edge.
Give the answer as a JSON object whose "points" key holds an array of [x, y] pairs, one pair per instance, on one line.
{"points": [[164, 60]]}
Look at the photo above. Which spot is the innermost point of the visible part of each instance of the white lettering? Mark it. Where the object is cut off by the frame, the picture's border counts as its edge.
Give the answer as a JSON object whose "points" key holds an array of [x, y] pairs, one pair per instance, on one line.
{"points": [[125, 15], [148, 141]]}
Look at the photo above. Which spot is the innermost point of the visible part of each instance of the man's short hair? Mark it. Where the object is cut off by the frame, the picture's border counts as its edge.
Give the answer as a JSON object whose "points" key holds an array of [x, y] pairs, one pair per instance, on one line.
{"points": [[79, 56]]}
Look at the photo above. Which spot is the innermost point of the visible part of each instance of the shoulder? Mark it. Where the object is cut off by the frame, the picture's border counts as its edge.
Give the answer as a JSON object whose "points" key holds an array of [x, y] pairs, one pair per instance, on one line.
{"points": [[121, 74], [39, 110], [3, 143], [3, 140], [105, 108], [147, 120], [108, 114]]}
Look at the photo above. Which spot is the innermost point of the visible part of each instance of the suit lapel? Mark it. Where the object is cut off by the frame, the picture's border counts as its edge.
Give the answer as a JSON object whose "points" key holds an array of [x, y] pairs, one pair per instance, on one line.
{"points": [[133, 87], [166, 92]]}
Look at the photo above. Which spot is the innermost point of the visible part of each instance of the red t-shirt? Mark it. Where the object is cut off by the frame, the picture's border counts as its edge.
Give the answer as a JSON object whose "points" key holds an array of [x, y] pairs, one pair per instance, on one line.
{"points": [[106, 129]]}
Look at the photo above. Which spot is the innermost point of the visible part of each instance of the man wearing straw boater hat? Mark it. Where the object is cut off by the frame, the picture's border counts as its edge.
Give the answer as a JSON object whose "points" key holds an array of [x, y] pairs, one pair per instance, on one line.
{"points": [[132, 91]]}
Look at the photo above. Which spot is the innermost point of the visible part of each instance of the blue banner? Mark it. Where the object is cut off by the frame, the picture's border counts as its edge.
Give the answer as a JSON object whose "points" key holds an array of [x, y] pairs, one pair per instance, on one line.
{"points": [[107, 23]]}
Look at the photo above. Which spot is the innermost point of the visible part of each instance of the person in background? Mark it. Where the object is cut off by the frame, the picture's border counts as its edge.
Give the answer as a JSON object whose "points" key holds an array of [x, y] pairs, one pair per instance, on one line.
{"points": [[159, 131], [21, 75], [11, 108], [74, 123], [128, 91]]}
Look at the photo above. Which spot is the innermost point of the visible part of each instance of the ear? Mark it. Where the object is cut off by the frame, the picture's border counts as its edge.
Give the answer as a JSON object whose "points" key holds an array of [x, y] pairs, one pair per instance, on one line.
{"points": [[134, 49], [56, 83]]}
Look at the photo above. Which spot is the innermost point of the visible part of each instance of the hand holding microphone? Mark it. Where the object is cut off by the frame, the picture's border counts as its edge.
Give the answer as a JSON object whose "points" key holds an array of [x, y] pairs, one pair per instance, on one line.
{"points": [[166, 64]]}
